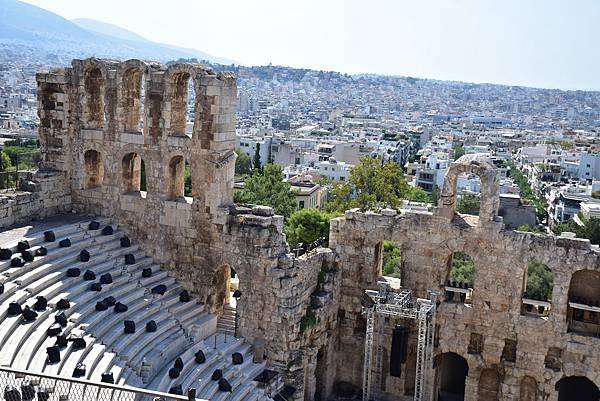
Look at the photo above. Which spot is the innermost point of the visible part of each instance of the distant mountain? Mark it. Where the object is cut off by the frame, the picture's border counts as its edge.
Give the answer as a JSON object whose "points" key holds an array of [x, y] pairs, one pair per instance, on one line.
{"points": [[107, 29], [35, 29]]}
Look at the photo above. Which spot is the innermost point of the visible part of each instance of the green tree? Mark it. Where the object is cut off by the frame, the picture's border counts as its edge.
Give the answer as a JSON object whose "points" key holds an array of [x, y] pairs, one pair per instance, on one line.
{"points": [[531, 229], [418, 194], [5, 163], [468, 204], [540, 281], [307, 225], [256, 160], [392, 259], [590, 230], [462, 269], [268, 188], [243, 163], [457, 151], [339, 197], [376, 185]]}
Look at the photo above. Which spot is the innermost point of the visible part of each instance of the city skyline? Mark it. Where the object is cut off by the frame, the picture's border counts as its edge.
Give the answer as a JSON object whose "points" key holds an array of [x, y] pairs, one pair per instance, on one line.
{"points": [[546, 44]]}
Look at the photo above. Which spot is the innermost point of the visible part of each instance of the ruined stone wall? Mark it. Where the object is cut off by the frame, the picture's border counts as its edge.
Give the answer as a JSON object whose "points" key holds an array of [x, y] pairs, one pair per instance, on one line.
{"points": [[99, 146], [481, 331]]}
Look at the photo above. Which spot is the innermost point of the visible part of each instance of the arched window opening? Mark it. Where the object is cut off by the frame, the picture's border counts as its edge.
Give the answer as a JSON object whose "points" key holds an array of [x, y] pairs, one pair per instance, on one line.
{"points": [[176, 177], [388, 259], [459, 286], [578, 388], [528, 390], [583, 312], [182, 104], [489, 385], [94, 93], [94, 169], [132, 173], [132, 99], [451, 372], [537, 297], [187, 180], [191, 108]]}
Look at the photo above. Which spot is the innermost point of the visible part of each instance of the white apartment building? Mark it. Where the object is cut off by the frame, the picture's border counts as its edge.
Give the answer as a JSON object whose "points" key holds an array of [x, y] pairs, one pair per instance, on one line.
{"points": [[589, 166], [334, 170]]}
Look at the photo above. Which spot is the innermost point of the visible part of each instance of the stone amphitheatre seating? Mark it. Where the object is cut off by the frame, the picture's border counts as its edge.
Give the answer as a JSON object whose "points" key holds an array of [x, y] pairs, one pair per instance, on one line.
{"points": [[142, 358]]}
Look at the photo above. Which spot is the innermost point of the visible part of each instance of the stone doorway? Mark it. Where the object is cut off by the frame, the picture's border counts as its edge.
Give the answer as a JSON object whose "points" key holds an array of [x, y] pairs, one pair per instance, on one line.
{"points": [[578, 388], [451, 374], [320, 372]]}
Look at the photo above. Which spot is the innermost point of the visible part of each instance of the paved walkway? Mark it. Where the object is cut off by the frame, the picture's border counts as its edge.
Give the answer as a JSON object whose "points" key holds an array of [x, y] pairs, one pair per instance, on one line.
{"points": [[12, 233]]}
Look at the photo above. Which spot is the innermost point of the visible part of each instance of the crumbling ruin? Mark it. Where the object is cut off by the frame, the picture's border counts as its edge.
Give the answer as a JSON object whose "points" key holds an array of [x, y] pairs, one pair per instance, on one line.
{"points": [[304, 314]]}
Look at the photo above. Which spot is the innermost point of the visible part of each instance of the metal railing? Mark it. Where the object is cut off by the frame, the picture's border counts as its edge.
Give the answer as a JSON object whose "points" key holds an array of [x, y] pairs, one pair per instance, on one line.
{"points": [[22, 385]]}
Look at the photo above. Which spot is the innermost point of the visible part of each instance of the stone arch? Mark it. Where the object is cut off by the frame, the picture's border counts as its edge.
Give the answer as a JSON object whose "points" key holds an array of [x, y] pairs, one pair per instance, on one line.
{"points": [[94, 84], [451, 371], [528, 390], [578, 388], [175, 177], [489, 385], [472, 164], [132, 75], [94, 169], [178, 78], [131, 172], [584, 298]]}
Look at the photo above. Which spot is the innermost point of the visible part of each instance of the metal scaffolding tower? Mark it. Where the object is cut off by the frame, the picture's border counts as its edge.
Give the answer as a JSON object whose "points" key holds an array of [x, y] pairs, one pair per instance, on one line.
{"points": [[384, 302]]}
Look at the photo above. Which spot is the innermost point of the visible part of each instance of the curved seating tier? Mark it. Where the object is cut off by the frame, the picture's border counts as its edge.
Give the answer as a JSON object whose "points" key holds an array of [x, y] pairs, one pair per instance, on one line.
{"points": [[141, 358]]}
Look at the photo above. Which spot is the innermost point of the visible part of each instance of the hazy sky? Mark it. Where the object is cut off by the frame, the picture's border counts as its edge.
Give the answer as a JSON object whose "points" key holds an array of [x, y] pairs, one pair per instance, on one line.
{"points": [[547, 43]]}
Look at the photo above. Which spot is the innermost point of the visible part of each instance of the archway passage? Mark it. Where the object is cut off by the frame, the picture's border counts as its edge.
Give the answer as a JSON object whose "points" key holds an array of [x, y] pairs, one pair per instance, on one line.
{"points": [[227, 295], [132, 172], [489, 385], [583, 313], [320, 372], [577, 388], [451, 374], [94, 93], [94, 169]]}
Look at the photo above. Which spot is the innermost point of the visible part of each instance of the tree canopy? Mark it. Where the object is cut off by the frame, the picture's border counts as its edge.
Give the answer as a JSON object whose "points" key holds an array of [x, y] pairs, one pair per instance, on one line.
{"points": [[307, 225], [373, 184], [540, 281], [468, 204], [392, 259], [462, 268], [243, 163], [589, 230], [267, 188]]}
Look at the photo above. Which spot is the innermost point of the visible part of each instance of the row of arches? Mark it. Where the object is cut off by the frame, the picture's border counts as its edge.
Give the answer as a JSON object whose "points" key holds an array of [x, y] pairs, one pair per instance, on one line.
{"points": [[452, 370], [133, 108], [133, 174], [583, 309]]}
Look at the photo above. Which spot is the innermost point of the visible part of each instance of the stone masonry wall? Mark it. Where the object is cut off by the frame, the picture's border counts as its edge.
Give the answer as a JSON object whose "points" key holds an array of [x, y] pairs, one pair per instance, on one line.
{"points": [[501, 258]]}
